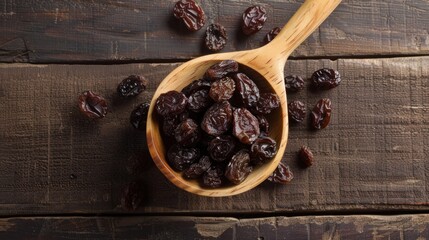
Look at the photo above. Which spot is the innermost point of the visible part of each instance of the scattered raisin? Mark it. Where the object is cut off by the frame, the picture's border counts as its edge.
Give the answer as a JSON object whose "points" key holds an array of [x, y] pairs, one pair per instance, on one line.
{"points": [[239, 167], [199, 101], [181, 158], [297, 111], [171, 103], [221, 69], [271, 35], [138, 116], [267, 103], [132, 196], [214, 177], [253, 19], [217, 119], [282, 174], [221, 148], [216, 37], [294, 83], [222, 89], [190, 13], [246, 90], [306, 156], [198, 168], [321, 114], [187, 133], [326, 78], [132, 86], [92, 105], [264, 125], [245, 126], [196, 85], [263, 150]]}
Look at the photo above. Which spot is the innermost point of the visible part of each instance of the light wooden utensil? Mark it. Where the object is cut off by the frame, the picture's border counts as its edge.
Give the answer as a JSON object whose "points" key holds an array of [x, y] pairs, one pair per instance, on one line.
{"points": [[268, 64]]}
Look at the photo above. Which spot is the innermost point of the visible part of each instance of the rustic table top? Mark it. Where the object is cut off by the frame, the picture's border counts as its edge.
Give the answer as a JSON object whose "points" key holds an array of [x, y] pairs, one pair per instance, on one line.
{"points": [[62, 174]]}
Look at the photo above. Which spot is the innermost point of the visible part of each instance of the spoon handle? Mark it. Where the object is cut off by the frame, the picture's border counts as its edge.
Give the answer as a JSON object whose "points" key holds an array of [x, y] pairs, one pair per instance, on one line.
{"points": [[308, 17]]}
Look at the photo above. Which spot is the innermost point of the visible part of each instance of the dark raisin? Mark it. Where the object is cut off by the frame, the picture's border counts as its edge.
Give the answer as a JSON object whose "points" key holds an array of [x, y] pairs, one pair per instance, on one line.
{"points": [[297, 111], [294, 83], [92, 105], [306, 156], [217, 119], [132, 196], [222, 89], [245, 126], [239, 167], [263, 150], [271, 35], [171, 103], [264, 125], [181, 158], [326, 78], [214, 177], [198, 168], [138, 116], [221, 148], [187, 133], [253, 19], [321, 114], [246, 90], [199, 101], [221, 69], [195, 86], [190, 13], [267, 103], [216, 37], [132, 86], [282, 174]]}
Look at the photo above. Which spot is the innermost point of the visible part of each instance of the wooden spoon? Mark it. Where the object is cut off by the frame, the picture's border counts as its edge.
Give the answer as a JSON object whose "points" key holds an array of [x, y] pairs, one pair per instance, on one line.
{"points": [[268, 62]]}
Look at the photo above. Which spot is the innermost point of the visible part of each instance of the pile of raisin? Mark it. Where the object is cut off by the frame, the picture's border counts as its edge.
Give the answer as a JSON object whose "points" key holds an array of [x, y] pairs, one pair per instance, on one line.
{"points": [[217, 126]]}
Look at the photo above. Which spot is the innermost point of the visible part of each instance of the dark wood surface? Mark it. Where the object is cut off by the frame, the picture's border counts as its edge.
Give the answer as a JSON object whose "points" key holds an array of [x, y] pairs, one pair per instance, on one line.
{"points": [[373, 157]]}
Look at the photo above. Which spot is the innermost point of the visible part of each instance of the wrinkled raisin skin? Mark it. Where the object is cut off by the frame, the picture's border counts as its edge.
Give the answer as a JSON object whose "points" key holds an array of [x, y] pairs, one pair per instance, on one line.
{"points": [[271, 35], [132, 86], [132, 196], [263, 150], [246, 91], [171, 103], [221, 69], [187, 133], [239, 167], [253, 19], [138, 116], [294, 83], [190, 13], [181, 158], [195, 86], [214, 177], [297, 111], [267, 103], [321, 114], [199, 101], [221, 148], [245, 126], [306, 157], [92, 105], [282, 174], [198, 168], [264, 125], [218, 119], [216, 37], [222, 89], [326, 78]]}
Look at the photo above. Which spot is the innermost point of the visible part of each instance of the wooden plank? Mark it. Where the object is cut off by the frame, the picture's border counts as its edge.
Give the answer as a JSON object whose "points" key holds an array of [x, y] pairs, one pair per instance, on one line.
{"points": [[355, 227], [74, 30], [371, 157]]}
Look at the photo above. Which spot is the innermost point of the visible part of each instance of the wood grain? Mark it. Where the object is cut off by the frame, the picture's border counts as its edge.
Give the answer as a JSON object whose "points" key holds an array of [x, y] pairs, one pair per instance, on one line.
{"points": [[372, 156], [91, 31], [357, 227]]}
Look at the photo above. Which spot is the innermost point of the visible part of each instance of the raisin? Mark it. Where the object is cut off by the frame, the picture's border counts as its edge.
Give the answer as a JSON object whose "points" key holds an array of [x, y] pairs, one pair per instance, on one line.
{"points": [[306, 156], [245, 126], [321, 114], [214, 177], [132, 196], [253, 19], [221, 69], [198, 168], [195, 86], [169, 124], [222, 89], [267, 103], [297, 111], [217, 119], [264, 125], [181, 158], [171, 103], [282, 174], [92, 105], [239, 167], [271, 35], [263, 150], [216, 37], [246, 90], [138, 116], [190, 13], [326, 78], [132, 86], [199, 101], [187, 133], [294, 83], [221, 148]]}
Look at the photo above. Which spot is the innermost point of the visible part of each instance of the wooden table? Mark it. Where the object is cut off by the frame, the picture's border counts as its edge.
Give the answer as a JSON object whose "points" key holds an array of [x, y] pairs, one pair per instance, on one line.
{"points": [[62, 175]]}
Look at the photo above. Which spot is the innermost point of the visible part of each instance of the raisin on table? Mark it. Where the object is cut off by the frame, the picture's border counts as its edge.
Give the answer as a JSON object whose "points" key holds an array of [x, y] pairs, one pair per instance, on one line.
{"points": [[253, 19], [263, 150], [217, 119], [171, 103], [190, 13], [271, 35], [138, 116], [92, 105], [198, 168], [222, 89], [267, 103], [214, 177], [246, 90], [181, 158], [132, 196], [294, 83], [132, 86], [195, 86], [306, 157], [239, 167], [216, 37], [199, 101], [282, 174], [221, 69], [321, 114], [297, 111], [326, 78], [221, 148], [245, 126]]}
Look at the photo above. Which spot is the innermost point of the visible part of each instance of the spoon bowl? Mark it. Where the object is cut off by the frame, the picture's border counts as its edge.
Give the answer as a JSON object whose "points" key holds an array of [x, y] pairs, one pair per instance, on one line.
{"points": [[265, 66]]}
